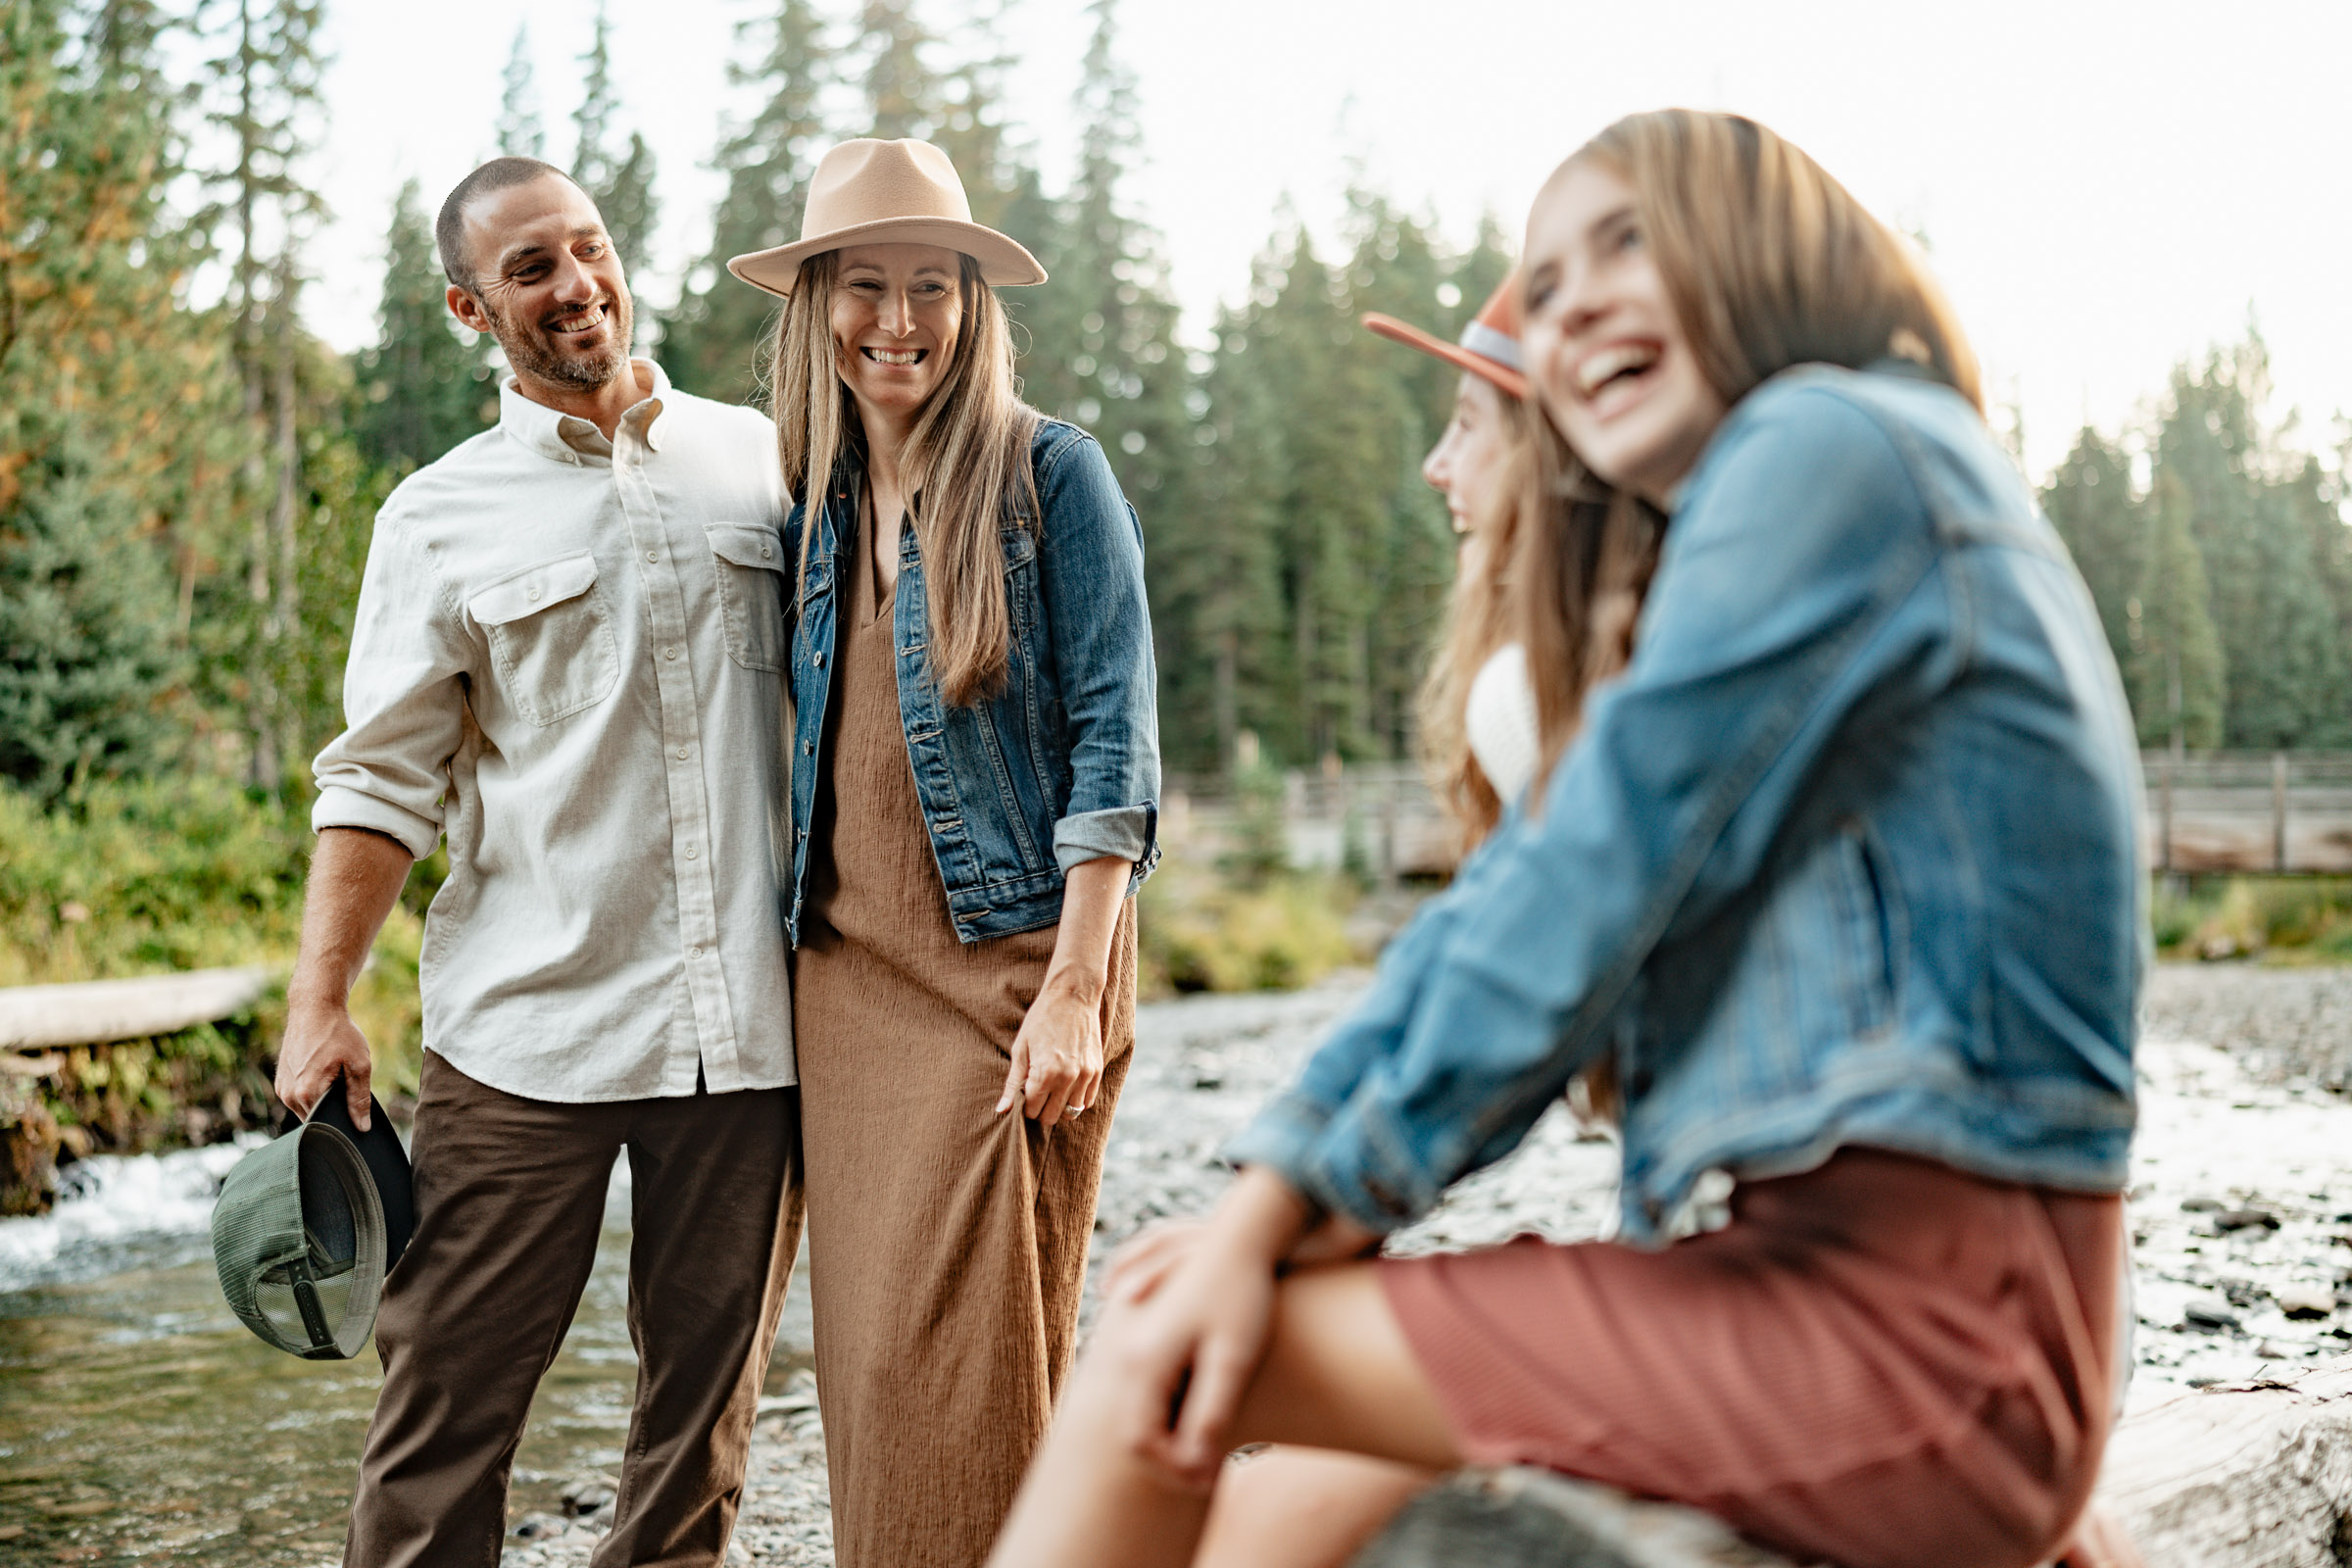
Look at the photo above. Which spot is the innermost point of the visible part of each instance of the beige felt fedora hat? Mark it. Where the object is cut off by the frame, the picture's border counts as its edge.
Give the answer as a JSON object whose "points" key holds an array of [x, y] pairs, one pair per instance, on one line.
{"points": [[869, 192]]}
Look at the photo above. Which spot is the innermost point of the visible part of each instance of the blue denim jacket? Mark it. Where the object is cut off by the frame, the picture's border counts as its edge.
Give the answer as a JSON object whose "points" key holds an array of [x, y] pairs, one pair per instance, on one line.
{"points": [[1849, 854], [1059, 769]]}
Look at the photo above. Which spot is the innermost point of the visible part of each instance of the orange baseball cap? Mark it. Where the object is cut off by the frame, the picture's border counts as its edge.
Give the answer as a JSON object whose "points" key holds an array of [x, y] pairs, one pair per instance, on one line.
{"points": [[1490, 345]]}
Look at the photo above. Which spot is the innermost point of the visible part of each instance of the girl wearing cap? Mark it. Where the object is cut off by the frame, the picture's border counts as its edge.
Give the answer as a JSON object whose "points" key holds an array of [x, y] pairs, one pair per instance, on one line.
{"points": [[1841, 874], [1546, 587], [974, 798]]}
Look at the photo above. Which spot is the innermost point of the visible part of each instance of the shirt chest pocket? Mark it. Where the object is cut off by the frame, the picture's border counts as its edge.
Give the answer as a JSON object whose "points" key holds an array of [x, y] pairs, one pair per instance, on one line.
{"points": [[751, 592], [551, 638]]}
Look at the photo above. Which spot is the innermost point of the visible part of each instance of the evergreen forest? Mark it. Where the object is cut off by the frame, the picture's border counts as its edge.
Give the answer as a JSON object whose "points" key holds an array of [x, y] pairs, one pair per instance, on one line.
{"points": [[188, 475]]}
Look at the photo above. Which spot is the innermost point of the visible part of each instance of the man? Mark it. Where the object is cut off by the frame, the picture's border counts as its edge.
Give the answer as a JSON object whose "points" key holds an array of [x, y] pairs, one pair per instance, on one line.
{"points": [[566, 661]]}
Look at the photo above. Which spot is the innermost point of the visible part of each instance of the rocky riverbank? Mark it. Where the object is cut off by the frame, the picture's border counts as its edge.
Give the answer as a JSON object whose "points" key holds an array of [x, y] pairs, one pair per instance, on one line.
{"points": [[2242, 1201]]}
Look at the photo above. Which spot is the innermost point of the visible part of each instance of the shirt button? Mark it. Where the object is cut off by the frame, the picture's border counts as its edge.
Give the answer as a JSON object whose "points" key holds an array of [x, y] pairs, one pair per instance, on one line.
{"points": [[820, 661], [765, 551], [807, 748], [682, 757], [690, 854], [532, 592], [693, 952], [652, 555], [670, 652]]}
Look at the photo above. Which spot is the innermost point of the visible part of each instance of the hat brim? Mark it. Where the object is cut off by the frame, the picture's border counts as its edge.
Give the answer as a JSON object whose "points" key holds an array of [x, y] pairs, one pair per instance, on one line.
{"points": [[1004, 263], [1453, 354]]}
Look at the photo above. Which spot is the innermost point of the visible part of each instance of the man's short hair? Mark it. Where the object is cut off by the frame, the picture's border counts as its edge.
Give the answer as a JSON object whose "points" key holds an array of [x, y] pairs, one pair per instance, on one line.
{"points": [[449, 229]]}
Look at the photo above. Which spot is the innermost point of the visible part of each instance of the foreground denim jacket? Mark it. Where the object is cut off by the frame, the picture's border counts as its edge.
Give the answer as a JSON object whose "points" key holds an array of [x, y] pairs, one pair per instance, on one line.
{"points": [[1848, 855], [1063, 765]]}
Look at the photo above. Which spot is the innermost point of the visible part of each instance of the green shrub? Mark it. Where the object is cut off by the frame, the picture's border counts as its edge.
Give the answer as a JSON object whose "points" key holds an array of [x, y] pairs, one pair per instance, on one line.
{"points": [[2282, 919], [126, 878], [1273, 931]]}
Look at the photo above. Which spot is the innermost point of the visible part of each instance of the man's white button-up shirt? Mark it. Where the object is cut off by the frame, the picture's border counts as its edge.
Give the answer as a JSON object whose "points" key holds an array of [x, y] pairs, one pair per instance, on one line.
{"points": [[569, 658]]}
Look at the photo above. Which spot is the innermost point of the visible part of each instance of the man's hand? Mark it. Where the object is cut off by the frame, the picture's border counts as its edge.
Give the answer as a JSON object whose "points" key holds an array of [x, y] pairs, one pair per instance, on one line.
{"points": [[321, 1041], [356, 876]]}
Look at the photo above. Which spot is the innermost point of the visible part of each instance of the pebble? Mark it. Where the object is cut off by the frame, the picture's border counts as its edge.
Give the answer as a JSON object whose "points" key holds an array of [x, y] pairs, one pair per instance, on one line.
{"points": [[589, 1495], [2307, 1301], [2208, 1317], [2241, 1219]]}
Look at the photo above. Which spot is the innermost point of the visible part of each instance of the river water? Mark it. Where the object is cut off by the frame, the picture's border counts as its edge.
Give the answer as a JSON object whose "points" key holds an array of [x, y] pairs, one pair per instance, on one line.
{"points": [[139, 1421]]}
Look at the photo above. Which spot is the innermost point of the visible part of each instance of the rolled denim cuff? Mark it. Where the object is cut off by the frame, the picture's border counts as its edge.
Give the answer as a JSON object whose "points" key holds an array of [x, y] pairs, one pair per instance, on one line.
{"points": [[1362, 1166], [1119, 833], [340, 805], [1279, 1137]]}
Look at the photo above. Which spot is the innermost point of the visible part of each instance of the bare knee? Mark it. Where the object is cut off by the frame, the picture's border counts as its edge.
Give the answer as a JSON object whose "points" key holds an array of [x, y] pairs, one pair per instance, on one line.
{"points": [[1296, 1507]]}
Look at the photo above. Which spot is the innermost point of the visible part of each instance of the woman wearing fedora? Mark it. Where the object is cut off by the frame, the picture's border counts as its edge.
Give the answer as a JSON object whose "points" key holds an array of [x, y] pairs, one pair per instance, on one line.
{"points": [[974, 798]]}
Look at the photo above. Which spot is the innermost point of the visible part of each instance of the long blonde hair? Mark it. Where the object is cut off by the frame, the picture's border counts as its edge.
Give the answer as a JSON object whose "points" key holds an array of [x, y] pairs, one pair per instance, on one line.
{"points": [[966, 465], [1556, 566], [1770, 261]]}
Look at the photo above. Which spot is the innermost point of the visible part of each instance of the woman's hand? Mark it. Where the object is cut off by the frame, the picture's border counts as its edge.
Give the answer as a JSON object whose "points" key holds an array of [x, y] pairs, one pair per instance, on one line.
{"points": [[1057, 1062], [1140, 1268], [1200, 1324], [1058, 1057]]}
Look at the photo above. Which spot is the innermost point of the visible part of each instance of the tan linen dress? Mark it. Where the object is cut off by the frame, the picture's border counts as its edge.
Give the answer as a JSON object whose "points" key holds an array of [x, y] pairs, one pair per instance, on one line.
{"points": [[947, 1243]]}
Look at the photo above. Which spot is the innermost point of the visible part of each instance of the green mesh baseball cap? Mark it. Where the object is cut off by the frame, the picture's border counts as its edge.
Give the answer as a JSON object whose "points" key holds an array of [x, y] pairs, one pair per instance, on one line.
{"points": [[298, 1238]]}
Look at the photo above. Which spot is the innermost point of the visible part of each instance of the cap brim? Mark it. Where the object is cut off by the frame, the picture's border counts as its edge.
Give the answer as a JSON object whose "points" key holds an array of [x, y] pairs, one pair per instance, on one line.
{"points": [[1004, 263], [1453, 354]]}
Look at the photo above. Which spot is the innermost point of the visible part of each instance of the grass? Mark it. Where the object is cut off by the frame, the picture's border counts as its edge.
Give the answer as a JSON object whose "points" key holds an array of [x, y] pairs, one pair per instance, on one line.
{"points": [[2278, 920], [1206, 929]]}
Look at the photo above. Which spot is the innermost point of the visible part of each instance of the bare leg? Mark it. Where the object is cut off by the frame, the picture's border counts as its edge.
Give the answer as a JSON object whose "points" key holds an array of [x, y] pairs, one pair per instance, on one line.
{"points": [[1337, 1374], [1294, 1507]]}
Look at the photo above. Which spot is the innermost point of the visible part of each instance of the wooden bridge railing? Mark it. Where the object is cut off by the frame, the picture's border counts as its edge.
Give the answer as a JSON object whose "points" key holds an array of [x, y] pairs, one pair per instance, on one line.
{"points": [[2254, 812]]}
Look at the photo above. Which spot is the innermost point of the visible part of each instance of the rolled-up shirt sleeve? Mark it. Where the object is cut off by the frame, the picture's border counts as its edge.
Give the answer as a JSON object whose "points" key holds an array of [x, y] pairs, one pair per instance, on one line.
{"points": [[1101, 623], [404, 702]]}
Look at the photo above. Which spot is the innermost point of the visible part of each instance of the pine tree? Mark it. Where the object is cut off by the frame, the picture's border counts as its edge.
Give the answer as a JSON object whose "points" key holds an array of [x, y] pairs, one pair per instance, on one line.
{"points": [[2268, 603], [629, 205], [592, 160], [970, 128], [621, 184], [714, 342], [1215, 582], [1397, 268], [2090, 501], [520, 134], [102, 375], [85, 625], [2179, 669], [904, 95], [423, 388], [266, 100]]}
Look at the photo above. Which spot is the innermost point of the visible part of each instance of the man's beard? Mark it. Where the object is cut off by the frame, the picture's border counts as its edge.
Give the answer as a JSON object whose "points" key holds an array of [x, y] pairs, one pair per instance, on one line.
{"points": [[532, 349]]}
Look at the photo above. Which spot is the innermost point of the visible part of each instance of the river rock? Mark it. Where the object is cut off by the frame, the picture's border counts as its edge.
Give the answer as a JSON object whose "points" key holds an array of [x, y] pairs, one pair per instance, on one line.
{"points": [[587, 1495], [540, 1527], [2208, 1317], [2244, 1219], [2307, 1301]]}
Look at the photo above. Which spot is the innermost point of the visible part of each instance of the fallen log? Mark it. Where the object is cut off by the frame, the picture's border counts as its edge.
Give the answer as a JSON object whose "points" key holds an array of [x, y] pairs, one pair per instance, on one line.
{"points": [[2244, 1475], [2241, 1474], [96, 1011]]}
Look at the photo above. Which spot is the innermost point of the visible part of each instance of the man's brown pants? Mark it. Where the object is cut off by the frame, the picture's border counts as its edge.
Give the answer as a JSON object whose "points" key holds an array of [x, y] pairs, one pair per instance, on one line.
{"points": [[509, 1199]]}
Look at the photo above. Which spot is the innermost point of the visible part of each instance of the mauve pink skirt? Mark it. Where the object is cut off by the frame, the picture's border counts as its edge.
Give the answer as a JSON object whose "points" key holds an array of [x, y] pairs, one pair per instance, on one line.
{"points": [[1883, 1361]]}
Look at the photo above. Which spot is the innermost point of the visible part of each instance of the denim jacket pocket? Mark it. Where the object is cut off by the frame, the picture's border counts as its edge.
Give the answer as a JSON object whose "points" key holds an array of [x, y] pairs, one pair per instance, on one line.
{"points": [[1867, 921], [551, 637], [752, 584]]}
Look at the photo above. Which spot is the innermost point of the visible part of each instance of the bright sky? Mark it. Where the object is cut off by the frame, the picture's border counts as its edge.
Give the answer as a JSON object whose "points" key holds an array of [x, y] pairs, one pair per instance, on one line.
{"points": [[2107, 186]]}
